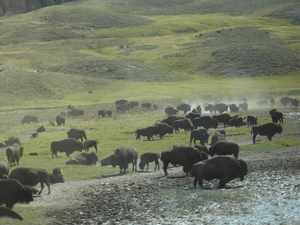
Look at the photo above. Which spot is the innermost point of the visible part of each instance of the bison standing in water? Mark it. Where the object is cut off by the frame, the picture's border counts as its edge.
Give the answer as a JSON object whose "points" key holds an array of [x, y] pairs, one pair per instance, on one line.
{"points": [[225, 168], [122, 157], [268, 129], [148, 157]]}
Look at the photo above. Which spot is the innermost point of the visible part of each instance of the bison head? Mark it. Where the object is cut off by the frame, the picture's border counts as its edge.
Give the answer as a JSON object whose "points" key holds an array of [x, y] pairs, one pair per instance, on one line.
{"points": [[114, 160], [242, 169], [278, 129]]}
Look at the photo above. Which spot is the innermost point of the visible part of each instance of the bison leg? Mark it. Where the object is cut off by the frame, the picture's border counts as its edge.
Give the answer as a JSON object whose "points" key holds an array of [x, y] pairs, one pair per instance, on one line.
{"points": [[165, 169], [147, 166], [42, 187], [254, 136], [222, 183]]}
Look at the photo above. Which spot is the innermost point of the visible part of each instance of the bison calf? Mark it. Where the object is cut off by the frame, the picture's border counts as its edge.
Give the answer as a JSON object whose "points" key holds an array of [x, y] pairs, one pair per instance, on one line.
{"points": [[148, 157], [224, 148], [225, 168], [89, 144]]}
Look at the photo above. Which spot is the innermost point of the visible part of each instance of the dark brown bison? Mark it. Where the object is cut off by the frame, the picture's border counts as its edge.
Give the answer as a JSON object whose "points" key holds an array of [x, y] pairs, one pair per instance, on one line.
{"points": [[148, 132], [185, 156], [193, 115], [41, 129], [29, 119], [121, 102], [146, 105], [222, 118], [184, 107], [276, 116], [200, 134], [31, 177], [75, 112], [34, 135], [220, 107], [268, 129], [70, 106], [2, 145], [233, 108], [295, 102], [6, 212], [162, 129], [101, 113], [108, 113], [123, 156], [14, 153], [236, 121], [218, 136], [251, 120], [68, 146], [123, 108], [226, 168], [243, 106], [77, 134], [170, 111], [12, 192], [60, 120], [224, 148], [56, 176], [210, 108], [148, 157], [132, 104], [205, 121], [286, 100], [4, 167], [89, 144], [83, 158], [184, 123], [170, 120], [12, 140]]}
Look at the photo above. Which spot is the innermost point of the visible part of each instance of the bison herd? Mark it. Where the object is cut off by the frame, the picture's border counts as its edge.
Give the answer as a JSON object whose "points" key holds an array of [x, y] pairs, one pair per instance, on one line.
{"points": [[219, 161]]}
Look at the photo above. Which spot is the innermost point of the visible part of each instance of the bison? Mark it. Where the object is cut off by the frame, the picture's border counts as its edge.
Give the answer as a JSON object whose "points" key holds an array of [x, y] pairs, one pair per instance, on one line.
{"points": [[276, 116], [41, 129], [162, 129], [31, 177], [132, 104], [224, 148], [251, 120], [123, 108], [223, 118], [102, 113], [123, 156], [218, 136], [171, 111], [170, 120], [76, 134], [226, 168], [29, 119], [83, 158], [12, 140], [75, 112], [148, 157], [233, 108], [4, 167], [89, 144], [236, 121], [184, 123], [200, 134], [192, 115], [14, 153], [68, 146], [121, 102], [184, 107], [60, 120], [148, 132], [182, 155], [12, 192], [146, 105], [268, 129], [205, 121], [10, 213], [34, 135], [56, 176], [108, 113], [220, 107], [285, 100], [295, 102], [243, 106]]}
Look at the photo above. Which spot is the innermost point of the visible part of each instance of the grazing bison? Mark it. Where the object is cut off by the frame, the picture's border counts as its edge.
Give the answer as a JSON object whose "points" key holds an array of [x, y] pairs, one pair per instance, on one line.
{"points": [[170, 111], [34, 135], [193, 115], [170, 120], [12, 140], [162, 129], [236, 121], [14, 153], [224, 148], [223, 118], [101, 113], [4, 167], [12, 192], [226, 168], [184, 107], [89, 144], [41, 129], [123, 156], [56, 176], [123, 108], [182, 155], [29, 119], [60, 120], [218, 136], [251, 120], [121, 102], [276, 116], [268, 129], [285, 100], [148, 132], [148, 157], [76, 134], [200, 134], [184, 123], [146, 105], [68, 146], [83, 159], [108, 113], [75, 112], [31, 177], [132, 104], [233, 108], [6, 212], [243, 106], [205, 121]]}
